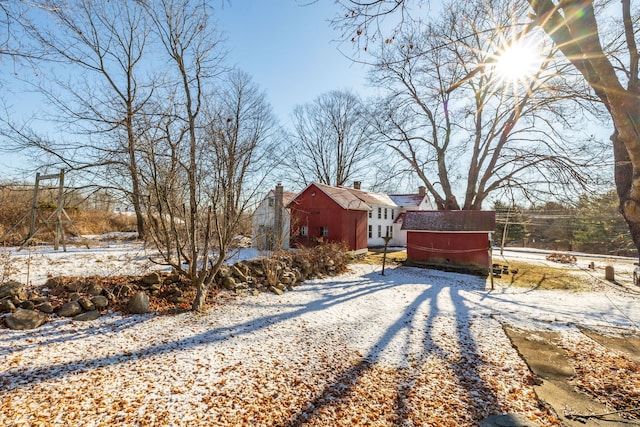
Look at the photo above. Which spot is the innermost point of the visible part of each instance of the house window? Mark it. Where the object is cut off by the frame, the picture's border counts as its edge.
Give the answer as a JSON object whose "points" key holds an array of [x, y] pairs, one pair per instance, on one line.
{"points": [[271, 202], [393, 211], [379, 231], [370, 231], [324, 231], [304, 230], [389, 231], [371, 213], [379, 213], [385, 213]]}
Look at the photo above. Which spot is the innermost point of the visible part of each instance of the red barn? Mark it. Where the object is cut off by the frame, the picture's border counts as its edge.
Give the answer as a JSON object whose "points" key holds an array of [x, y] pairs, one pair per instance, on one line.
{"points": [[450, 239], [329, 214]]}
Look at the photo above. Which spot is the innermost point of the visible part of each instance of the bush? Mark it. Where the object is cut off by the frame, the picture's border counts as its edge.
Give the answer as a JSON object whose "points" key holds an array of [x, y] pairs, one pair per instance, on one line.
{"points": [[15, 216]]}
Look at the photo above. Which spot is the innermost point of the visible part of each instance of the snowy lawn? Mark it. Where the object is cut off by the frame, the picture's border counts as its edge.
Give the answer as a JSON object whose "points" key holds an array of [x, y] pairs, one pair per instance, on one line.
{"points": [[414, 347]]}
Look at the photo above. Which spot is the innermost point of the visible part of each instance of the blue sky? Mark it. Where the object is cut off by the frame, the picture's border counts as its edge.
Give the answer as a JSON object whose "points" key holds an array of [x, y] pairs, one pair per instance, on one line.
{"points": [[290, 50], [287, 46]]}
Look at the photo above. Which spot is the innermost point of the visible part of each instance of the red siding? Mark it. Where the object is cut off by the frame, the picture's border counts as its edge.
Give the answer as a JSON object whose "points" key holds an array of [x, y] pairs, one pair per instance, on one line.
{"points": [[314, 209], [456, 249]]}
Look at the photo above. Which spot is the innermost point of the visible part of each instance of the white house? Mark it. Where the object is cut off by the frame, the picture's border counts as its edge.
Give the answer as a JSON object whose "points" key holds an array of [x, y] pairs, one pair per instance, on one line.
{"points": [[270, 216], [408, 202], [381, 216]]}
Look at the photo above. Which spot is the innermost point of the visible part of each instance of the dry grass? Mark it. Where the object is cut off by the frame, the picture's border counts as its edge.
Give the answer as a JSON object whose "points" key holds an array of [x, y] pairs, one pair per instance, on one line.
{"points": [[532, 276], [536, 276], [375, 257]]}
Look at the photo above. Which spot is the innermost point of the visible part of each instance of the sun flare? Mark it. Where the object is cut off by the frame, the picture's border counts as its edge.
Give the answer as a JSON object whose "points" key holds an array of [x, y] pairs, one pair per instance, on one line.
{"points": [[517, 62]]}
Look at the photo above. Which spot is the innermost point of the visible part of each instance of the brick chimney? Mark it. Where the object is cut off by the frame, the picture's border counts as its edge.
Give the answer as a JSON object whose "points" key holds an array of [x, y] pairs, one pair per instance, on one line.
{"points": [[357, 185], [422, 190]]}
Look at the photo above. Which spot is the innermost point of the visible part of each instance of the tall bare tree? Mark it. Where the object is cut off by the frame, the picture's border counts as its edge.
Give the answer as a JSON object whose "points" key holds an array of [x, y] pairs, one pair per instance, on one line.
{"points": [[234, 146], [460, 127], [91, 54], [239, 139], [192, 46], [331, 139], [605, 54]]}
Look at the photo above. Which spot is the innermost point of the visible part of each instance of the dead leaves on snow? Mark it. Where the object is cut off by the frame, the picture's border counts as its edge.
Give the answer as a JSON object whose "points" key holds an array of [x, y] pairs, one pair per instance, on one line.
{"points": [[607, 376], [326, 384]]}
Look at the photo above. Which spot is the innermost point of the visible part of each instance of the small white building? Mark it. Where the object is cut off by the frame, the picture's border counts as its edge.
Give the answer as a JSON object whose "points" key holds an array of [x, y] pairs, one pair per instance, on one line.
{"points": [[408, 202], [271, 215]]}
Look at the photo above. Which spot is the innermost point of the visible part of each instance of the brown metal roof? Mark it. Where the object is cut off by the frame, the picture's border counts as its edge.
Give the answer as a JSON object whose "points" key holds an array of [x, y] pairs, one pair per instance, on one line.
{"points": [[343, 197], [452, 221], [369, 198]]}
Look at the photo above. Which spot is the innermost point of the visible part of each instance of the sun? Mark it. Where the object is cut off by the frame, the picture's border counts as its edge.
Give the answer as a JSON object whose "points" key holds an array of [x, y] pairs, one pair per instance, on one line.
{"points": [[517, 62]]}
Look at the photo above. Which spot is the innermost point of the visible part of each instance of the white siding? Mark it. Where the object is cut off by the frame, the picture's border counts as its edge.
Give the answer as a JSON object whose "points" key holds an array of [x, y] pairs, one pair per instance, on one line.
{"points": [[263, 221], [381, 222]]}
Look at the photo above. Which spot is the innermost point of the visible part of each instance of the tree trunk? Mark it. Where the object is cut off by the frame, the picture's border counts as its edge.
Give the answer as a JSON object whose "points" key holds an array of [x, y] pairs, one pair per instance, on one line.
{"points": [[137, 204], [624, 171], [575, 32], [201, 296]]}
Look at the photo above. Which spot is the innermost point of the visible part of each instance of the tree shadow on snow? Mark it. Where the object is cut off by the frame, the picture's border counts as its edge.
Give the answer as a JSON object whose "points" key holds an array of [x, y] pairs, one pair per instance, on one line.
{"points": [[478, 396], [335, 294], [435, 287], [66, 330]]}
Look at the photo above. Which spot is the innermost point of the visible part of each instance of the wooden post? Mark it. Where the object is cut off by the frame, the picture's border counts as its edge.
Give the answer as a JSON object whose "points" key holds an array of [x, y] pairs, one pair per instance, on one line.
{"points": [[491, 264], [504, 234], [34, 208], [609, 273], [384, 255], [59, 229]]}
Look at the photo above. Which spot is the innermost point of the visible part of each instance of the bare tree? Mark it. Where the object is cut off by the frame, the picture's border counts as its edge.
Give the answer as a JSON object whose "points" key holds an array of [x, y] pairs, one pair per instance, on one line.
{"points": [[460, 129], [331, 140], [234, 145], [12, 43], [91, 53], [608, 58], [193, 47], [605, 54], [239, 141]]}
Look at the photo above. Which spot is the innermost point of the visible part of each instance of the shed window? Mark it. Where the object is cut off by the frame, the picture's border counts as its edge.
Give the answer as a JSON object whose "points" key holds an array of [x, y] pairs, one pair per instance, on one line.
{"points": [[304, 230], [324, 231]]}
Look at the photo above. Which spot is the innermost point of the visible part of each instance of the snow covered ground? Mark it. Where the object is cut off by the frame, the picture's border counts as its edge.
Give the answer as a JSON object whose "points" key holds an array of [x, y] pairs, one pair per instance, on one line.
{"points": [[413, 347]]}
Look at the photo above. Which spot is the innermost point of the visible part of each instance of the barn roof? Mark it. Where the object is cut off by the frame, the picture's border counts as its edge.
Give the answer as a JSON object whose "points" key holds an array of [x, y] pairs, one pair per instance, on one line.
{"points": [[451, 221], [342, 196]]}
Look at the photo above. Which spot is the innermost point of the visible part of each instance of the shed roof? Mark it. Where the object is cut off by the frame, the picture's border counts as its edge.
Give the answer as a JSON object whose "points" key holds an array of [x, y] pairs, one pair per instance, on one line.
{"points": [[450, 221]]}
